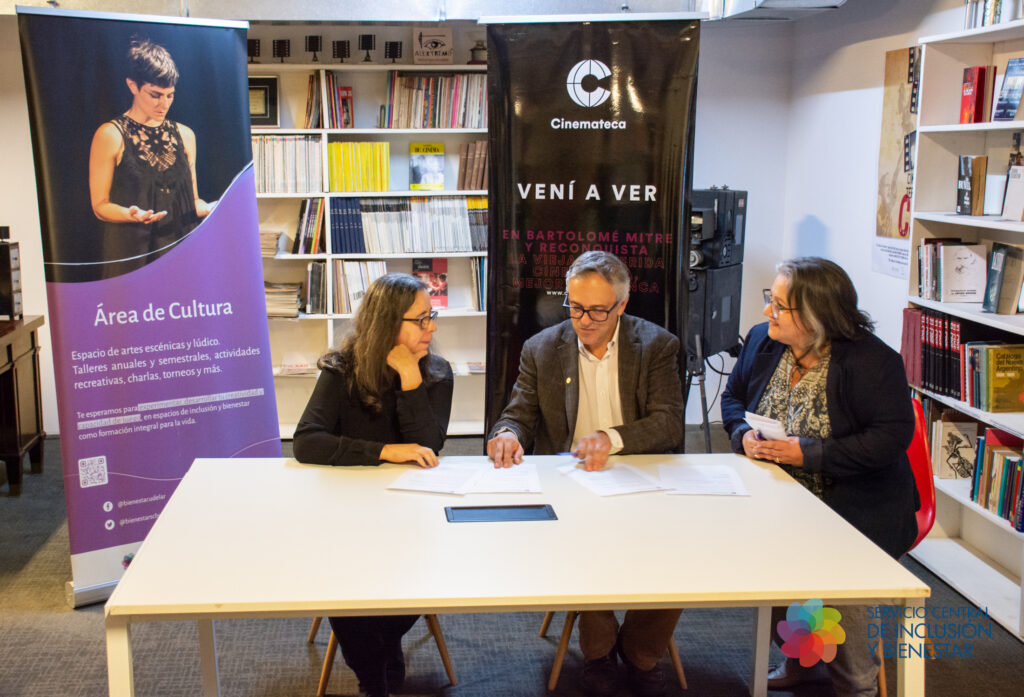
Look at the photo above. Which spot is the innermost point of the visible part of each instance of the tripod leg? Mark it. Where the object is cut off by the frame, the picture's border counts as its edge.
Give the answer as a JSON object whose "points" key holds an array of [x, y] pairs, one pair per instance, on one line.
{"points": [[704, 411]]}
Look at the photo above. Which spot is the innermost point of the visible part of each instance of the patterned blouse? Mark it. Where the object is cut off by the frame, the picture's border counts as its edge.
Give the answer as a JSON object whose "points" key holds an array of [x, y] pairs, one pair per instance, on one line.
{"points": [[802, 409]]}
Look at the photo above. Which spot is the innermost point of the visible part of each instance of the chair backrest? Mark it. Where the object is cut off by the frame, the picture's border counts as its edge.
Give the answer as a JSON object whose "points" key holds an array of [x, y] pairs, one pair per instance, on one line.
{"points": [[921, 464]]}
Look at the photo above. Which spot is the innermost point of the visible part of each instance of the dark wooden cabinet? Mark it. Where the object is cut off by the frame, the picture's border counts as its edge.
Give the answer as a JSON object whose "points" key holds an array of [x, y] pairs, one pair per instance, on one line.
{"points": [[21, 410]]}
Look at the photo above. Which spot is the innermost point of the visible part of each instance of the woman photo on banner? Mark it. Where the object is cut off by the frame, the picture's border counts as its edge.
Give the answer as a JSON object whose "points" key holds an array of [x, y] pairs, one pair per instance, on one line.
{"points": [[142, 166]]}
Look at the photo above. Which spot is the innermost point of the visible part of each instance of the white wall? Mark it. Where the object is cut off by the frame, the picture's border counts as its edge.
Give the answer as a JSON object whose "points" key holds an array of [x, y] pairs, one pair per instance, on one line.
{"points": [[18, 203], [741, 140]]}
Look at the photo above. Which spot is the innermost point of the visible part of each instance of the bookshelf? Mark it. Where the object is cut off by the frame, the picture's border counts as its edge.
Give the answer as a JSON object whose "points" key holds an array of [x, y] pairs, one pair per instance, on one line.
{"points": [[297, 342], [975, 551]]}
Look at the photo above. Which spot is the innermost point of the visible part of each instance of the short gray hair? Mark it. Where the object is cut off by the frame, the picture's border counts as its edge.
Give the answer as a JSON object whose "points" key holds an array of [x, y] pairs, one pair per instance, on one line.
{"points": [[606, 265]]}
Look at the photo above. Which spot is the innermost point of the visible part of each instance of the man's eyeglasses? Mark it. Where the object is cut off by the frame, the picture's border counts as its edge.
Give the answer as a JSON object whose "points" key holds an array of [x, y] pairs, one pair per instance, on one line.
{"points": [[776, 306], [596, 314], [423, 321]]}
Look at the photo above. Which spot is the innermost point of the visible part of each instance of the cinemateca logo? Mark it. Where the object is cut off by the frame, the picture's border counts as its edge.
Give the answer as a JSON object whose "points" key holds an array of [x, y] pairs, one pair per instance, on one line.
{"points": [[580, 94], [811, 632]]}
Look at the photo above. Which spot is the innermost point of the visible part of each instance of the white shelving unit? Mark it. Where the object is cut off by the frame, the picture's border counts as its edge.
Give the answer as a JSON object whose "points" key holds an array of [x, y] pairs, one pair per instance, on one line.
{"points": [[976, 552], [462, 329]]}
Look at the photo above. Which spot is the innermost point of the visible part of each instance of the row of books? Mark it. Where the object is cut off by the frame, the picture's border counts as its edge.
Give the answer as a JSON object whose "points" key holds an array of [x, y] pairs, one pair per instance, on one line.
{"points": [[359, 166], [474, 163], [985, 98], [478, 269], [287, 164], [340, 112], [351, 279], [983, 13], [308, 237], [992, 273], [980, 190], [420, 100], [312, 117], [967, 361], [962, 448], [997, 480], [950, 270], [414, 224]]}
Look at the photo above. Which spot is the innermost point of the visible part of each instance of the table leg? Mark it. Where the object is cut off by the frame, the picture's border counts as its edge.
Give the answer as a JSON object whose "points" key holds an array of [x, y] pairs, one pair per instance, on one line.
{"points": [[762, 643], [119, 658], [910, 665], [208, 658]]}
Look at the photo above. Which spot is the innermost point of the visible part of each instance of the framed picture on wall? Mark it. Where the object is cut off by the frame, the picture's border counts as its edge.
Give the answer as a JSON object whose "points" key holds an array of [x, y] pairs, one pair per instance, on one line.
{"points": [[263, 101]]}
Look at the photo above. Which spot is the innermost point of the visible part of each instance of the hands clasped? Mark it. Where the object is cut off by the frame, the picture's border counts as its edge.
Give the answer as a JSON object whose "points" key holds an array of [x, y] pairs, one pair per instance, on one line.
{"points": [[781, 452]]}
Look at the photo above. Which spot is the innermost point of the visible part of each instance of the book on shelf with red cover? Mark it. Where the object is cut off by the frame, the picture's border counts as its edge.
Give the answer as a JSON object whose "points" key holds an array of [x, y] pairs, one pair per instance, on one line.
{"points": [[346, 115], [972, 94], [433, 272]]}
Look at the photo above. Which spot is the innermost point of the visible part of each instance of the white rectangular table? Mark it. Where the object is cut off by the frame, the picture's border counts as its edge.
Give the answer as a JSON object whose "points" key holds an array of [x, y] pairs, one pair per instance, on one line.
{"points": [[247, 538]]}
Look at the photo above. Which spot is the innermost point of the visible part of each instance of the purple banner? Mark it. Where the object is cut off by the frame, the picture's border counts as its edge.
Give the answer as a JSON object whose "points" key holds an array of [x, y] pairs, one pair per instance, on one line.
{"points": [[154, 277]]}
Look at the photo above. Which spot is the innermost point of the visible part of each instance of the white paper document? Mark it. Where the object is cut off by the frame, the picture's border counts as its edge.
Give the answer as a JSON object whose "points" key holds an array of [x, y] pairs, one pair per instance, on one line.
{"points": [[470, 476], [612, 481], [770, 429], [518, 479], [702, 480], [446, 478]]}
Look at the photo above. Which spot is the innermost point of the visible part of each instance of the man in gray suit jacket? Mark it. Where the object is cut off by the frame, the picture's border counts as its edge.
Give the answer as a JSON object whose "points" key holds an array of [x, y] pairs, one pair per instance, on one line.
{"points": [[600, 383]]}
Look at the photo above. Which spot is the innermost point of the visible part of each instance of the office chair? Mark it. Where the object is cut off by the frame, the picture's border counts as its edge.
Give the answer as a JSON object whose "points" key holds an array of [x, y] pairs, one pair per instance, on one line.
{"points": [[563, 645], [332, 648], [921, 464]]}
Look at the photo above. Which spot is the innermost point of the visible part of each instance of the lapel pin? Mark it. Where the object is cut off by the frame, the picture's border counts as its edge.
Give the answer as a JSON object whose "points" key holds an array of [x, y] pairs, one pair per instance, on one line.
{"points": [[568, 380]]}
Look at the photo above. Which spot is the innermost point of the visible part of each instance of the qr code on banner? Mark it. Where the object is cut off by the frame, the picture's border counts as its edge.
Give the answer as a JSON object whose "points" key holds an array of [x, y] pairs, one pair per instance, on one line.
{"points": [[92, 471]]}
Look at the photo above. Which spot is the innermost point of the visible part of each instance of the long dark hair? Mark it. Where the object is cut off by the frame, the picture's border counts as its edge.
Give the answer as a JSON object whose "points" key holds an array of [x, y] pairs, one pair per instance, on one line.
{"points": [[824, 296], [362, 356]]}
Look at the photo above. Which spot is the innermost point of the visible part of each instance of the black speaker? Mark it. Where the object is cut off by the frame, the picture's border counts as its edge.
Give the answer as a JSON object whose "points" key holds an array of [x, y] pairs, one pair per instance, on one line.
{"points": [[714, 312], [718, 220]]}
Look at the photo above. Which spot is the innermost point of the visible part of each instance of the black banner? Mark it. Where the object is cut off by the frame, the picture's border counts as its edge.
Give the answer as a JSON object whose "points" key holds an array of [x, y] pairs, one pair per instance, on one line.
{"points": [[591, 132]]}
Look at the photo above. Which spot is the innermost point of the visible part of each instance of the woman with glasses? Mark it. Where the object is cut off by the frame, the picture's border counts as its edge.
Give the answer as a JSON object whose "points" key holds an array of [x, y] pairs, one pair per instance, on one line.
{"points": [[841, 395], [381, 397]]}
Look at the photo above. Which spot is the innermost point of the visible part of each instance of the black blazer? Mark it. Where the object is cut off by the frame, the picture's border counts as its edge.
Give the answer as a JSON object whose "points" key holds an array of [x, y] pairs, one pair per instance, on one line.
{"points": [[545, 399], [867, 476]]}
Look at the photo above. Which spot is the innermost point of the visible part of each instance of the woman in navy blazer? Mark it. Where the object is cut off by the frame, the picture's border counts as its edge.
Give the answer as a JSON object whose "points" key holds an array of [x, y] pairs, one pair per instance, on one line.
{"points": [[842, 396]]}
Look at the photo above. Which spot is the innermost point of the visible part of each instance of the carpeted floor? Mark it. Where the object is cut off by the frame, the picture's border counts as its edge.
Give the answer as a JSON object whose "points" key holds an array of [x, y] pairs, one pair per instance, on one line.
{"points": [[50, 650]]}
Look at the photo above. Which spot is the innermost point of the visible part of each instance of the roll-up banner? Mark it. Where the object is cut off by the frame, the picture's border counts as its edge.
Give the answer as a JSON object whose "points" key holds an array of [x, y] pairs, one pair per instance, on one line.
{"points": [[140, 127], [591, 130]]}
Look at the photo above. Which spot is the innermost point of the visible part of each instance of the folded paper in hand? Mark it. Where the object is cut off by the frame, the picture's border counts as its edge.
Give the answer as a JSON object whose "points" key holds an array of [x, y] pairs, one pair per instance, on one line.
{"points": [[770, 429]]}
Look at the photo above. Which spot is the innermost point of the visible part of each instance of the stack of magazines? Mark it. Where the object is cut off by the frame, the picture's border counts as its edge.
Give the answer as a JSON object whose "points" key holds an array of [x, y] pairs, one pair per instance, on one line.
{"points": [[282, 299]]}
